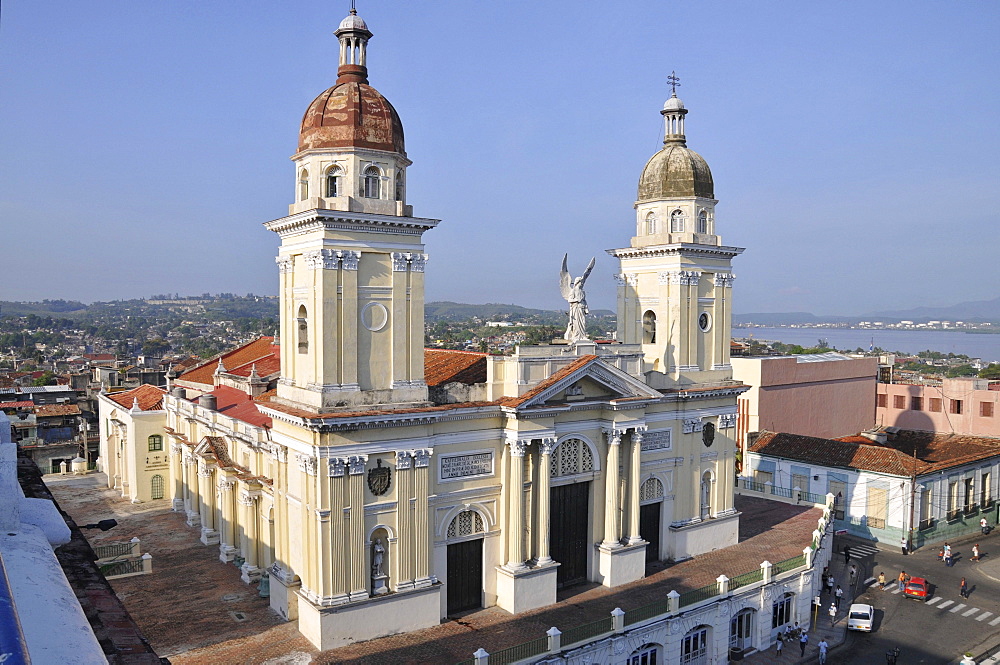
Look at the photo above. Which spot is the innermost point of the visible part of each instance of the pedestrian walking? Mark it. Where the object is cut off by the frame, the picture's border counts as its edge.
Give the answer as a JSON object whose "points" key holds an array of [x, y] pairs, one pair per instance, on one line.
{"points": [[984, 526], [903, 545], [901, 579], [854, 572], [838, 594], [833, 613], [803, 641], [778, 644], [881, 581], [847, 554], [947, 556], [963, 589], [829, 583], [823, 646], [826, 573], [975, 552]]}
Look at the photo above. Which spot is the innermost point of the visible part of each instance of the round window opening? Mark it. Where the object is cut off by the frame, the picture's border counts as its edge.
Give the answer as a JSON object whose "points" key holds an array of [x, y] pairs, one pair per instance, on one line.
{"points": [[705, 321], [374, 316]]}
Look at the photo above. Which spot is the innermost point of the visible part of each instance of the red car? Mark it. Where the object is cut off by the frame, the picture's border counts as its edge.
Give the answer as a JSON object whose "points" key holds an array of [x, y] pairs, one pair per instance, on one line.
{"points": [[916, 587]]}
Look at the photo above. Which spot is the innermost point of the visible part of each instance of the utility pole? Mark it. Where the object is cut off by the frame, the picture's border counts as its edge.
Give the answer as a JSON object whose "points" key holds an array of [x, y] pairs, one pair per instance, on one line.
{"points": [[913, 493]]}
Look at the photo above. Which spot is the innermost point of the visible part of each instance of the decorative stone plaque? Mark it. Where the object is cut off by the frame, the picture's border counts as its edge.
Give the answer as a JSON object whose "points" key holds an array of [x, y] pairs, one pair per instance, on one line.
{"points": [[465, 466]]}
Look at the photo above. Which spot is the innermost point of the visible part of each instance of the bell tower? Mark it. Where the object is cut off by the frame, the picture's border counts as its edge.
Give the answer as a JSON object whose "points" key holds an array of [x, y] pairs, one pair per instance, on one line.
{"points": [[351, 260], [675, 285]]}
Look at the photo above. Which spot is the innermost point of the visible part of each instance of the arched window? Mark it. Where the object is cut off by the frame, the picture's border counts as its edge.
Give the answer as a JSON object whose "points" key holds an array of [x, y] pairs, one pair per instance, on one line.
{"points": [[372, 181], [155, 442], [649, 327], [571, 457], [741, 630], [647, 654], [303, 324], [303, 185], [650, 491], [466, 523], [677, 221], [703, 221], [156, 487], [694, 647], [333, 181], [781, 611], [651, 223], [400, 189]]}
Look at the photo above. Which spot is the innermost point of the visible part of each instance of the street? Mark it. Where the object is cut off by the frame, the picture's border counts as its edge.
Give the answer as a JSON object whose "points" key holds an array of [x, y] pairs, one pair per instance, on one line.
{"points": [[937, 631]]}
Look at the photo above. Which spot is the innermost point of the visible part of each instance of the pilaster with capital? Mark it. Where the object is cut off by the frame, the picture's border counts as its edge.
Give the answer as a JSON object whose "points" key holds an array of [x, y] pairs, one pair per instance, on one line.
{"points": [[545, 448], [176, 477], [227, 518], [612, 539], [339, 516], [405, 552], [356, 531], [206, 473], [194, 494], [424, 576], [247, 498]]}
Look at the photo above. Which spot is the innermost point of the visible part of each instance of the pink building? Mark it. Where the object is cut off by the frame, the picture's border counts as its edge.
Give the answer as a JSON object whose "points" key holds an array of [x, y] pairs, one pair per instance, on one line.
{"points": [[823, 395], [963, 406]]}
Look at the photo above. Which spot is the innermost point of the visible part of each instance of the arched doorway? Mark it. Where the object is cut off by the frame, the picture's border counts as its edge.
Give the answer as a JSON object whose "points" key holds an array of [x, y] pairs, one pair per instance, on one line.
{"points": [[741, 630], [465, 562], [694, 647], [569, 517], [650, 504]]}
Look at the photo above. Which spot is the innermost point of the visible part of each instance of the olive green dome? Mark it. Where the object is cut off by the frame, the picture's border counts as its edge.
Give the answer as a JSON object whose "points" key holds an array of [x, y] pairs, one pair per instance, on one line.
{"points": [[676, 171]]}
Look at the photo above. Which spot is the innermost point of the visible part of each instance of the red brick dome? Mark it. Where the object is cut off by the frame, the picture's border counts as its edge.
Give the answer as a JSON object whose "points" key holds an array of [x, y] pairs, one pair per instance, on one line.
{"points": [[351, 114]]}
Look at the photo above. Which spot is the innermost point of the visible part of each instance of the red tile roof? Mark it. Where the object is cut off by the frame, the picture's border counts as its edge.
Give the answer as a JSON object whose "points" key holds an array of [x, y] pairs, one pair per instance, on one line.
{"points": [[443, 366], [237, 360], [237, 404], [51, 410], [17, 405], [934, 452], [150, 397]]}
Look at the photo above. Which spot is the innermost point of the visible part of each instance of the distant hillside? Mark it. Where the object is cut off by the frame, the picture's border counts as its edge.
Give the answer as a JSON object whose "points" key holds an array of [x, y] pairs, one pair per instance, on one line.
{"points": [[62, 309], [977, 311], [454, 311]]}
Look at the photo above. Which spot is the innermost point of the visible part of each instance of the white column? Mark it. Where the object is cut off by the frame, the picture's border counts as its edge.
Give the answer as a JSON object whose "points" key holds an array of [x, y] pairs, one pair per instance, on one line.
{"points": [[515, 498], [611, 508], [545, 455], [633, 487]]}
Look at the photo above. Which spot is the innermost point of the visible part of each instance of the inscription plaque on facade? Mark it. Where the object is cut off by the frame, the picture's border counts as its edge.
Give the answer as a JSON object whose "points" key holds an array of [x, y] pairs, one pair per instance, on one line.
{"points": [[463, 466], [656, 440]]}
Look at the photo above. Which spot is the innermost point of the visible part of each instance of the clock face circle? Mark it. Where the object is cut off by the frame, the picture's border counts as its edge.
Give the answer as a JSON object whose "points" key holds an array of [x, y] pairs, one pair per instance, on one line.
{"points": [[705, 322]]}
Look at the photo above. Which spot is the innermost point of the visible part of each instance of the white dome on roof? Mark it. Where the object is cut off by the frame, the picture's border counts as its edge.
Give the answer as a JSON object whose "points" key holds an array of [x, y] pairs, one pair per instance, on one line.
{"points": [[353, 22], [673, 104]]}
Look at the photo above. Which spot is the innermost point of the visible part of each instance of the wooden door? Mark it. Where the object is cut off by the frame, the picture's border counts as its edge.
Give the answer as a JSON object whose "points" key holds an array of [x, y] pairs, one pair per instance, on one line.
{"points": [[649, 529], [569, 531], [465, 576]]}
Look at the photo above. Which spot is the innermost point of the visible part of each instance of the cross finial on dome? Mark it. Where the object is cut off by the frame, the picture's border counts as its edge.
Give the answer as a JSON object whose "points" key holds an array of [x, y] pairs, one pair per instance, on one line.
{"points": [[674, 80]]}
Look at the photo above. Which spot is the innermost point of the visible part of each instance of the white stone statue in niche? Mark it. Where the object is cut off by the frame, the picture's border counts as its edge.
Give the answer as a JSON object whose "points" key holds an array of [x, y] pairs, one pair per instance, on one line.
{"points": [[379, 579], [572, 291]]}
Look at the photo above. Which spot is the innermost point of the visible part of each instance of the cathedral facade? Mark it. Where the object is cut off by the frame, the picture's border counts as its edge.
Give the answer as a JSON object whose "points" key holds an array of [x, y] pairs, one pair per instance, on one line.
{"points": [[380, 486]]}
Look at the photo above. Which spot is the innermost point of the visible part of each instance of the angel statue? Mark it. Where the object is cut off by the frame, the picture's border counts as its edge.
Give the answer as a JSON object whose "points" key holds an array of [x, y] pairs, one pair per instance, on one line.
{"points": [[572, 291]]}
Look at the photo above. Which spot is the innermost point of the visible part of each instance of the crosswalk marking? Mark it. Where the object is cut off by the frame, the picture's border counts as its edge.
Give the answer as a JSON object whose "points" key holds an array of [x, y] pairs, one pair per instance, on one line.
{"points": [[870, 580], [984, 615], [861, 551], [958, 607], [995, 621], [895, 589], [946, 604], [935, 599], [972, 611]]}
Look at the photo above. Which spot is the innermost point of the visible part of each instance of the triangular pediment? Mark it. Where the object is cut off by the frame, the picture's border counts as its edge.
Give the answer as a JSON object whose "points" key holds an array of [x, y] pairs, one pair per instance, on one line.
{"points": [[595, 381]]}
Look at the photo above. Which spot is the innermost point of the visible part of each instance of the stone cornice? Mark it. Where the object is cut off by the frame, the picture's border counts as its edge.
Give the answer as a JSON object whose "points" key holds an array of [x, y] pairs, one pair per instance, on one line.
{"points": [[675, 249], [319, 220]]}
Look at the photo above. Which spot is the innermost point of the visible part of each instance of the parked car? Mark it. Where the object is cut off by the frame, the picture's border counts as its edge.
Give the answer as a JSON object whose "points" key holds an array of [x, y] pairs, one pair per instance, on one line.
{"points": [[917, 587], [860, 617]]}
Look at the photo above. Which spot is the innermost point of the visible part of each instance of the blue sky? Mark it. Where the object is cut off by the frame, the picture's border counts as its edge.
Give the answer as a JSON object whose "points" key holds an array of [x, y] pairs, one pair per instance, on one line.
{"points": [[853, 144]]}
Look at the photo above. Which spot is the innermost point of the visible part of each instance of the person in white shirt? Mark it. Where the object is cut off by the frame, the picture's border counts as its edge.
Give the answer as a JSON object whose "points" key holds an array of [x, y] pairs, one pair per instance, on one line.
{"points": [[823, 646]]}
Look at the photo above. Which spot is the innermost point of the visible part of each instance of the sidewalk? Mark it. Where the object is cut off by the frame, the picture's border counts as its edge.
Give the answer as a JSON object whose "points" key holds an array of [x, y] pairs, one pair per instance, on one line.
{"points": [[821, 628]]}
